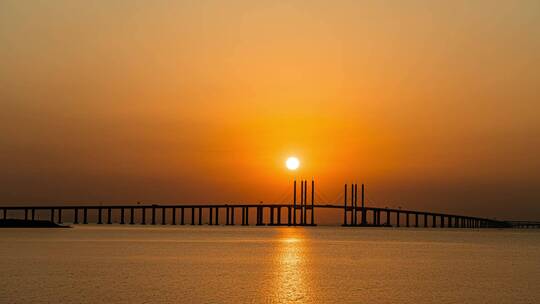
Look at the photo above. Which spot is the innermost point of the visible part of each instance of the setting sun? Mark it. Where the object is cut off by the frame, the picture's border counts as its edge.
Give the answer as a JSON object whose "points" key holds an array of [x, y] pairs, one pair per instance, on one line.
{"points": [[292, 163]]}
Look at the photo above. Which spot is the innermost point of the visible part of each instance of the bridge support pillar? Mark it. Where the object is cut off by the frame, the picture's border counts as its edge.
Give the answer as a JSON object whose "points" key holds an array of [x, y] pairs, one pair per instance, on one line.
{"points": [[52, 214], [388, 218], [100, 216], [217, 215], [210, 211], [122, 216], [279, 216], [192, 216], [397, 219], [85, 215], [258, 218], [153, 215], [272, 216], [232, 215], [289, 216], [26, 214], [109, 216], [442, 221], [182, 215], [75, 216], [33, 214], [59, 215], [163, 215], [227, 216], [407, 219], [200, 216], [173, 216], [131, 216], [434, 218], [143, 216], [416, 220]]}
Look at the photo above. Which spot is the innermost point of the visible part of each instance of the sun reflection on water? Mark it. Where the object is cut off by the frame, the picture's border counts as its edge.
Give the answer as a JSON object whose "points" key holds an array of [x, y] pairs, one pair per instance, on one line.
{"points": [[290, 282]]}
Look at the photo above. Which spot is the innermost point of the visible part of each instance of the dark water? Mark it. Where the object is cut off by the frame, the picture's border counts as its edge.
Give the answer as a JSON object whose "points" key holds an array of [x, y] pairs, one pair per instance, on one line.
{"points": [[115, 264]]}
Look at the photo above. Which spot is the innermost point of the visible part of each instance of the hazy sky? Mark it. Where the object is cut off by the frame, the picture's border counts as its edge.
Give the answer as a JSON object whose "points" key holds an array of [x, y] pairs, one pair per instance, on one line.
{"points": [[433, 104]]}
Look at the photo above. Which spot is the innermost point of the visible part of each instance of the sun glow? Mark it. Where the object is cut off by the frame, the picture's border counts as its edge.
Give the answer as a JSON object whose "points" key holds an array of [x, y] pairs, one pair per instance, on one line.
{"points": [[292, 163]]}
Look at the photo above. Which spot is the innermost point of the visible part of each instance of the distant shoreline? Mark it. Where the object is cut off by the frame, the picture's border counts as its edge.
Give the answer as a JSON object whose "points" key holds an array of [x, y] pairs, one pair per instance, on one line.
{"points": [[16, 223]]}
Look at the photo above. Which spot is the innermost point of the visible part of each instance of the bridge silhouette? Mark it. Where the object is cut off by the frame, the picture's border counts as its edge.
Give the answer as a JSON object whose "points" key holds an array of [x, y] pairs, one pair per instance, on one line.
{"points": [[297, 213]]}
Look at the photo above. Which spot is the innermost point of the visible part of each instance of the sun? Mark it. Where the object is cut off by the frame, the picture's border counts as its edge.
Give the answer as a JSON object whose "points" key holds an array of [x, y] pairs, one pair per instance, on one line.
{"points": [[292, 163]]}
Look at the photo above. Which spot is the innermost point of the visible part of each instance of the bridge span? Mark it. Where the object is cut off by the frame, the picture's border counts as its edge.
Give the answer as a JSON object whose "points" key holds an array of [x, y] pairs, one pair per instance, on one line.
{"points": [[298, 213], [244, 214]]}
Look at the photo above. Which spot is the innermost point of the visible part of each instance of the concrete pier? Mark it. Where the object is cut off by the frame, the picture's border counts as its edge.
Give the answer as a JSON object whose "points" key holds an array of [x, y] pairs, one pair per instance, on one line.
{"points": [[407, 220], [109, 216], [289, 216], [312, 205], [100, 219], [294, 203], [354, 204], [344, 207], [163, 216]]}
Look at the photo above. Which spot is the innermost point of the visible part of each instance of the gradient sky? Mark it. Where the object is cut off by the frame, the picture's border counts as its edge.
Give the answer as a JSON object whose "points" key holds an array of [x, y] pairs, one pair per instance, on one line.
{"points": [[433, 104]]}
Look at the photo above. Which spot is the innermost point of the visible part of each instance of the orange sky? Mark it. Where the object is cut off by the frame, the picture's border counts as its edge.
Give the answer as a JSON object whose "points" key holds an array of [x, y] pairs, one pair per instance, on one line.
{"points": [[434, 105]]}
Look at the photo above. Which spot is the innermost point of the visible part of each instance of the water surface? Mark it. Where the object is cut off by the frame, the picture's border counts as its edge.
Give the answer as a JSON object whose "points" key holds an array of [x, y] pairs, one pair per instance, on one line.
{"points": [[136, 264]]}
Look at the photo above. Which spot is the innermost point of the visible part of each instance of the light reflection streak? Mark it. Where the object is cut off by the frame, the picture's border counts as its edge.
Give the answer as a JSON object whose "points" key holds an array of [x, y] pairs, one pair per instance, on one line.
{"points": [[290, 284]]}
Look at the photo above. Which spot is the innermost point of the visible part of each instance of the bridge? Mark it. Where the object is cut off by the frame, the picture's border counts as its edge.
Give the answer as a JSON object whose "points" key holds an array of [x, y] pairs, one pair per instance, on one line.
{"points": [[524, 224], [264, 214], [297, 213]]}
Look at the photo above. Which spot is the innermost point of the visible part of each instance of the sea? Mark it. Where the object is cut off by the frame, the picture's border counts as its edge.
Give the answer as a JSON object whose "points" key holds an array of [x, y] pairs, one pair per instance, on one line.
{"points": [[234, 264]]}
